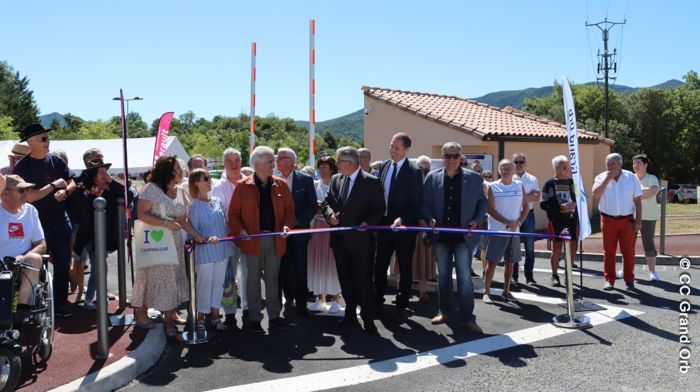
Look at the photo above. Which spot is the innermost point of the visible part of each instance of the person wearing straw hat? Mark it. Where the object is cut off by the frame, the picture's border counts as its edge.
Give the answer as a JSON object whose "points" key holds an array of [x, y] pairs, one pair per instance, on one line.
{"points": [[22, 236], [53, 185], [18, 152], [453, 196]]}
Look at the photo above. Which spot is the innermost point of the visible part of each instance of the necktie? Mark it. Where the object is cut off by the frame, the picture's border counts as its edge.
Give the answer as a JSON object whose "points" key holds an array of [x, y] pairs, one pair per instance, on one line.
{"points": [[393, 178], [346, 190]]}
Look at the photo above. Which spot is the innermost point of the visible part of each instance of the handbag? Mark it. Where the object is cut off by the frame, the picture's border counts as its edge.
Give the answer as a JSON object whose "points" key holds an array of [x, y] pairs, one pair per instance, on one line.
{"points": [[154, 245]]}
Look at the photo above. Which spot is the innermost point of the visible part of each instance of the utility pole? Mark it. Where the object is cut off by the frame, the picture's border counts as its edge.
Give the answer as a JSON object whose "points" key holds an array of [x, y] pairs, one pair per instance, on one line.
{"points": [[608, 60]]}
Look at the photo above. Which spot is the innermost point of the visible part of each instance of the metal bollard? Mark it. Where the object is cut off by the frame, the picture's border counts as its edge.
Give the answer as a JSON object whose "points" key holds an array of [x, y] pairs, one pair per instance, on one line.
{"points": [[569, 320], [662, 236], [101, 273], [192, 336], [121, 254]]}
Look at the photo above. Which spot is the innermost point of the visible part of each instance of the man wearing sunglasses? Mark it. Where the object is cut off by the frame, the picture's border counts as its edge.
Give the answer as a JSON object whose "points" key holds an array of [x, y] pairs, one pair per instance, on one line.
{"points": [[454, 197], [532, 194], [21, 235], [53, 184]]}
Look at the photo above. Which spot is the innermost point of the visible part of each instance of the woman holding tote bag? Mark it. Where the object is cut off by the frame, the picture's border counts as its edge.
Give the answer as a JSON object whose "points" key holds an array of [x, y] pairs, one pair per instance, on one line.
{"points": [[162, 287]]}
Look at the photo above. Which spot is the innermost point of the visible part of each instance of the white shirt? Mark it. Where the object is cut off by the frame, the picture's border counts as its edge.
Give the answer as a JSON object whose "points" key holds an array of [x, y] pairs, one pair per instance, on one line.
{"points": [[509, 203], [650, 210], [19, 231], [289, 179], [389, 175], [618, 196], [530, 183], [223, 189]]}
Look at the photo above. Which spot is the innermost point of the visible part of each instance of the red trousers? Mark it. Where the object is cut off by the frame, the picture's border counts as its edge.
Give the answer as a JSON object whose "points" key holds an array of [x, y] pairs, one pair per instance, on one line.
{"points": [[615, 230]]}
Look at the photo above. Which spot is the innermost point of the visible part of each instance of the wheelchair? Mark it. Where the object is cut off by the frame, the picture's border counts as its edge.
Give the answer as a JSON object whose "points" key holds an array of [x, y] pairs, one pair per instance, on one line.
{"points": [[28, 333]]}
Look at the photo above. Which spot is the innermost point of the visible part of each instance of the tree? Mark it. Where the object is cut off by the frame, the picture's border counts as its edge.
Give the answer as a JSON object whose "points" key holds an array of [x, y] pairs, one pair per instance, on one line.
{"points": [[16, 100], [7, 131]]}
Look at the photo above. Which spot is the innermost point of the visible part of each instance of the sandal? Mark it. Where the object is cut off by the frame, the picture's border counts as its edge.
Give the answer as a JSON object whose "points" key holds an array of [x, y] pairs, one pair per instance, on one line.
{"points": [[145, 324], [201, 327], [218, 325]]}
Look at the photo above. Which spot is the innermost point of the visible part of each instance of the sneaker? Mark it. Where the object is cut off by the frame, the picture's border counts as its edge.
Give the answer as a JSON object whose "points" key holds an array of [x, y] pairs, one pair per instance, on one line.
{"points": [[439, 319], [555, 281], [256, 328], [618, 274], [630, 285], [279, 323], [487, 299], [473, 274], [63, 311], [89, 305], [335, 307], [515, 286], [608, 286], [318, 306], [531, 282], [472, 327], [654, 276]]}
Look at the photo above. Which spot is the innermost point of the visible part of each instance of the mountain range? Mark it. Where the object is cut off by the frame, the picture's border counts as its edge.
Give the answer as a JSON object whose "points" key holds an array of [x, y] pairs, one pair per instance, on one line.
{"points": [[351, 126]]}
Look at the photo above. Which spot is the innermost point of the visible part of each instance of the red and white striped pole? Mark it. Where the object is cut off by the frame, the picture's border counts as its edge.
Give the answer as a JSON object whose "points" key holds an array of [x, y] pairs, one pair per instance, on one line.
{"points": [[312, 96], [252, 97]]}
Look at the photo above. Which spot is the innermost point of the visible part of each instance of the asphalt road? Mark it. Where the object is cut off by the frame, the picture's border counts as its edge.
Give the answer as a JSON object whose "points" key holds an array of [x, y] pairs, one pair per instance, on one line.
{"points": [[520, 350]]}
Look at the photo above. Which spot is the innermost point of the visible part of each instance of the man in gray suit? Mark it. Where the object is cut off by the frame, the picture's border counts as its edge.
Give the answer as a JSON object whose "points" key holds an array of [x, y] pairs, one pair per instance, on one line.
{"points": [[454, 197]]}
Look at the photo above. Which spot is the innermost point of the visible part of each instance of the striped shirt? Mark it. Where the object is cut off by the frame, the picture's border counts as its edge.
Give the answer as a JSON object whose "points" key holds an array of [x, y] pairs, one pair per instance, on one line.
{"points": [[208, 220]]}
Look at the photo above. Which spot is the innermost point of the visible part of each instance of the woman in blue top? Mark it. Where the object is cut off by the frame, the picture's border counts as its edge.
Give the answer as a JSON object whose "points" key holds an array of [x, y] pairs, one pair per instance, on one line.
{"points": [[207, 217]]}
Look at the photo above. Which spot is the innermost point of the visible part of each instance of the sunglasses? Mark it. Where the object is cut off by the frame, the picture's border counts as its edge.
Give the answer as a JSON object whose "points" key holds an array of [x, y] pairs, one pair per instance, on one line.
{"points": [[488, 177], [519, 162], [452, 156]]}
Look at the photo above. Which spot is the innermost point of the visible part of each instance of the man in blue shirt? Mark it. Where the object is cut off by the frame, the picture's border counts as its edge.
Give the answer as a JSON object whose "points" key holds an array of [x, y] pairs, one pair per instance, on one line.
{"points": [[53, 183]]}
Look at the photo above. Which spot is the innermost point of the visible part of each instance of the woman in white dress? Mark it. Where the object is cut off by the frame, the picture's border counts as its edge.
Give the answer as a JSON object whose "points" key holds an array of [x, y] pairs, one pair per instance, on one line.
{"points": [[323, 276]]}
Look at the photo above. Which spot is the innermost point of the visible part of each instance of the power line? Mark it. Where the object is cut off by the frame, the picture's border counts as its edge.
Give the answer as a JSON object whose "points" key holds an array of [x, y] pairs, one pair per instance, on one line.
{"points": [[607, 63]]}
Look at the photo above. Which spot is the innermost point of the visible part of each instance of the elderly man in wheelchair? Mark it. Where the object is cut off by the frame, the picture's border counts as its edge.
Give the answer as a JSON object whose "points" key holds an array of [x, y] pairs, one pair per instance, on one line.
{"points": [[21, 236]]}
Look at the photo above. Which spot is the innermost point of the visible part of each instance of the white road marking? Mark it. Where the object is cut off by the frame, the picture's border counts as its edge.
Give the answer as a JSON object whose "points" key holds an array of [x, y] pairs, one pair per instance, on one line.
{"points": [[361, 374]]}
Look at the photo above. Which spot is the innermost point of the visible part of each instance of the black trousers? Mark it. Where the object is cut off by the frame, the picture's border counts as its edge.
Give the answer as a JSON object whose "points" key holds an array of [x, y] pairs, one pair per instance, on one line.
{"points": [[293, 275], [388, 242], [354, 265]]}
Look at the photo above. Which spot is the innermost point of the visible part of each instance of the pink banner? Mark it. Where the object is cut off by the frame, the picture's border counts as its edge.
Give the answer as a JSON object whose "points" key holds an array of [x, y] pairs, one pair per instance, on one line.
{"points": [[162, 138]]}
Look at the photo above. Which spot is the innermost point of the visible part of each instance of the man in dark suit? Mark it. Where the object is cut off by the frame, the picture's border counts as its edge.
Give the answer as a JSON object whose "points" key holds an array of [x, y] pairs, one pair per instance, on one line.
{"points": [[454, 197], [403, 191], [293, 268], [355, 198]]}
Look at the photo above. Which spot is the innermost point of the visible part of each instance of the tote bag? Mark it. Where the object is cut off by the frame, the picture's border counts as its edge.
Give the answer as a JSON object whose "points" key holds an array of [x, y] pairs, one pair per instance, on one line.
{"points": [[153, 245]]}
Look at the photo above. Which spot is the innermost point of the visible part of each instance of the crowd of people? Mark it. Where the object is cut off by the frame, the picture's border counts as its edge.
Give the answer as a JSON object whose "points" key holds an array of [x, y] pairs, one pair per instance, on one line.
{"points": [[48, 209]]}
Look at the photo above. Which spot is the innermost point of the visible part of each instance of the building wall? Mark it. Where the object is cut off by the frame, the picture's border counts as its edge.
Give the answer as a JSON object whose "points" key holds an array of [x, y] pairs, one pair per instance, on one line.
{"points": [[428, 137]]}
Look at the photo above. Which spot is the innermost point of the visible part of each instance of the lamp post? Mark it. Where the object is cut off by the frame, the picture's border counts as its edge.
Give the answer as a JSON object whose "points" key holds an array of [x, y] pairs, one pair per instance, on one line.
{"points": [[127, 107]]}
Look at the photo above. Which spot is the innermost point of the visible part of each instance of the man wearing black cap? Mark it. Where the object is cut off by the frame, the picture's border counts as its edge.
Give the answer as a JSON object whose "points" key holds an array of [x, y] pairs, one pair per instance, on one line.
{"points": [[53, 184]]}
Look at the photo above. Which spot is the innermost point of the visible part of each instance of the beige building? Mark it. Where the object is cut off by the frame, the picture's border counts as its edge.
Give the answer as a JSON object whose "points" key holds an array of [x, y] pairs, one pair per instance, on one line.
{"points": [[432, 120]]}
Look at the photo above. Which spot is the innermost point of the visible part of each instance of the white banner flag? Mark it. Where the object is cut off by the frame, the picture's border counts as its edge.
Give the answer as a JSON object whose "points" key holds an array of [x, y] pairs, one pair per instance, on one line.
{"points": [[572, 137]]}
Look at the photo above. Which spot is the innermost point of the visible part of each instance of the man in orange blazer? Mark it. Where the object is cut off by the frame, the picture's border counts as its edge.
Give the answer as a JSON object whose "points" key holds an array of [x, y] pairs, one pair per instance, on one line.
{"points": [[262, 203]]}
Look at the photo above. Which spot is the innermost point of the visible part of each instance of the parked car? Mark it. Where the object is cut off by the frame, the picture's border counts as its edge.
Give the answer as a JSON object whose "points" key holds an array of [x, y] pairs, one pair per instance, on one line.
{"points": [[683, 193]]}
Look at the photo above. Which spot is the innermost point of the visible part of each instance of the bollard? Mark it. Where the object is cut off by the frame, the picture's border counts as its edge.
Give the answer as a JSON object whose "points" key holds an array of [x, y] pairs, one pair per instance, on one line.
{"points": [[569, 320], [192, 336], [662, 236], [121, 254], [101, 273]]}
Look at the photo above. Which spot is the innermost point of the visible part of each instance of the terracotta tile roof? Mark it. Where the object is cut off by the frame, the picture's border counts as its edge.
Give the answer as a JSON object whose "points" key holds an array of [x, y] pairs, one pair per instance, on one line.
{"points": [[479, 119]]}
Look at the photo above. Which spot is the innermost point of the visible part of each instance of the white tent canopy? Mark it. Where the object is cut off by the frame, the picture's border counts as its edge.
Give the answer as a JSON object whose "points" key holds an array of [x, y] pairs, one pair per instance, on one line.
{"points": [[140, 152]]}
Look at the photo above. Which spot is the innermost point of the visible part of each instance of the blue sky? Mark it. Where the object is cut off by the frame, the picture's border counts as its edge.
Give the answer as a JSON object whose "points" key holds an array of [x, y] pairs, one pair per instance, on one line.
{"points": [[195, 55]]}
